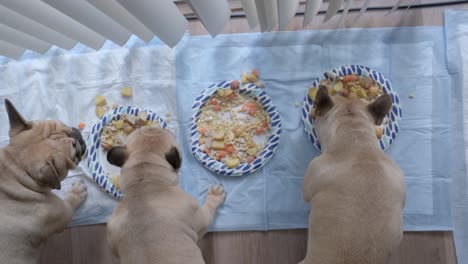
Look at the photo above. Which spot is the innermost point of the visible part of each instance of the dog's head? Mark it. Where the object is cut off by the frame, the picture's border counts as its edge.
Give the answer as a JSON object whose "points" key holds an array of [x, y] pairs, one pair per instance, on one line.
{"points": [[45, 149], [331, 112], [157, 144]]}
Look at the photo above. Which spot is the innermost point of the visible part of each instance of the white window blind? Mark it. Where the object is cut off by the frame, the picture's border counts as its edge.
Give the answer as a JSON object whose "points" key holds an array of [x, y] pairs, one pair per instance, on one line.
{"points": [[38, 24]]}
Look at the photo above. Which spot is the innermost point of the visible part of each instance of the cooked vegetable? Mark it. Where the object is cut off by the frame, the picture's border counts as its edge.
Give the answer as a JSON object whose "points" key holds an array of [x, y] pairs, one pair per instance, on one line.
{"points": [[126, 92], [100, 111], [100, 100], [232, 163], [81, 126]]}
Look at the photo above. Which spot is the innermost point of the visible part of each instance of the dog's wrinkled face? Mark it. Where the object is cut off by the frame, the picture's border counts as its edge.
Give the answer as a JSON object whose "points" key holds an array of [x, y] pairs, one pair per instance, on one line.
{"points": [[333, 111], [47, 149], [151, 141]]}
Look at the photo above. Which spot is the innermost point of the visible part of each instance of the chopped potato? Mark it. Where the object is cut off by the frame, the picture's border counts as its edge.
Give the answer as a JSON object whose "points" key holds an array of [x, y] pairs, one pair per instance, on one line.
{"points": [[312, 113], [251, 78], [219, 135], [338, 87], [232, 163], [228, 92], [100, 111], [361, 93], [118, 124], [218, 145], [373, 90], [126, 92], [100, 100], [378, 132], [313, 93], [116, 181], [220, 92], [252, 151]]}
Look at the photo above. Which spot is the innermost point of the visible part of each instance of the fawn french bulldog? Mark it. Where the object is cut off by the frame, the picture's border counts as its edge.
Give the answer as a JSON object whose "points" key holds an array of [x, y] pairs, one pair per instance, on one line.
{"points": [[156, 221], [37, 158], [357, 193]]}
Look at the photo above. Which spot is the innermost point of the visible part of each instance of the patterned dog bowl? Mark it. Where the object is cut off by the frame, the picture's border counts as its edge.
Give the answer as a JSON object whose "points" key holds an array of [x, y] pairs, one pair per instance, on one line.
{"points": [[391, 124], [96, 157], [269, 147]]}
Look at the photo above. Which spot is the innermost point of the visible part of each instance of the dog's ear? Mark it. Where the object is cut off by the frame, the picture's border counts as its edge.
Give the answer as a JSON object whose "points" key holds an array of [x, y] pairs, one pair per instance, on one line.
{"points": [[323, 101], [117, 156], [173, 157], [380, 108], [17, 122], [50, 176]]}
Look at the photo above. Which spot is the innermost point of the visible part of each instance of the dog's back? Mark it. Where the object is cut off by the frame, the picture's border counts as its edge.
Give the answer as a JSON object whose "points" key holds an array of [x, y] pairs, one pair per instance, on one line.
{"points": [[357, 193], [357, 214]]}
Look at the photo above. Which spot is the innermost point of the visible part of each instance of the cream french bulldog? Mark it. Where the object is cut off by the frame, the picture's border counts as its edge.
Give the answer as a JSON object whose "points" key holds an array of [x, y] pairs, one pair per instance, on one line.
{"points": [[357, 193], [156, 221], [37, 158]]}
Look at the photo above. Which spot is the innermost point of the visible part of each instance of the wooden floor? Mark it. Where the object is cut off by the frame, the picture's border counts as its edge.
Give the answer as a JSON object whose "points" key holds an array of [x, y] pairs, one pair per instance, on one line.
{"points": [[88, 245]]}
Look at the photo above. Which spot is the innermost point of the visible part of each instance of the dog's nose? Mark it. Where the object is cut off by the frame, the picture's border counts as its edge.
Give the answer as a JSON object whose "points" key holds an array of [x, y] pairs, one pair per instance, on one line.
{"points": [[81, 146]]}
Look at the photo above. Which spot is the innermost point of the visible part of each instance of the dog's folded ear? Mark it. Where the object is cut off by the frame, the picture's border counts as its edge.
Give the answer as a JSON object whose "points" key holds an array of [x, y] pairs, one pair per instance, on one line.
{"points": [[323, 101], [117, 156], [380, 108], [173, 157], [17, 122], [50, 176]]}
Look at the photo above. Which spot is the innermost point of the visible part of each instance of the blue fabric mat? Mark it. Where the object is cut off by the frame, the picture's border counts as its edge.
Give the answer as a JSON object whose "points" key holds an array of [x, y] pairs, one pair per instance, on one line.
{"points": [[412, 58]]}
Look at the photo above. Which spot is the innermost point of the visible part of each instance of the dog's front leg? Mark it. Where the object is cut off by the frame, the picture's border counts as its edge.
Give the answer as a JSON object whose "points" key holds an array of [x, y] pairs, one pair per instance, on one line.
{"points": [[75, 197], [214, 199]]}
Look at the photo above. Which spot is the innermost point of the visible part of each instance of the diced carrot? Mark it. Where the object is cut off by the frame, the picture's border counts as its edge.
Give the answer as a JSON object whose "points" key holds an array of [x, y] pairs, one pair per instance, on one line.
{"points": [[350, 78], [231, 96], [222, 153], [260, 130], [202, 130], [255, 72], [252, 111], [230, 148], [264, 124], [250, 159], [217, 107], [214, 101], [207, 151], [81, 125]]}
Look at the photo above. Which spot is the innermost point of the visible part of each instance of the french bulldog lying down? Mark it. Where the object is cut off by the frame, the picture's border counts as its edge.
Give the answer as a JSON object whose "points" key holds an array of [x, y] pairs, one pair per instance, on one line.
{"points": [[37, 158], [156, 222], [357, 193]]}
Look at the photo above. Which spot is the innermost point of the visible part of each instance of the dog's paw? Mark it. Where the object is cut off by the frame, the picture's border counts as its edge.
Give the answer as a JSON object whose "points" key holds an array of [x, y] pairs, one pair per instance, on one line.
{"points": [[216, 193], [77, 193]]}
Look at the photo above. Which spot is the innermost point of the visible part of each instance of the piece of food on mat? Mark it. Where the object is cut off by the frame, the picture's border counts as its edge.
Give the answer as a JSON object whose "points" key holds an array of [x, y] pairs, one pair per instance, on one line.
{"points": [[100, 100], [115, 132], [351, 86], [81, 126], [127, 92], [233, 127], [252, 77]]}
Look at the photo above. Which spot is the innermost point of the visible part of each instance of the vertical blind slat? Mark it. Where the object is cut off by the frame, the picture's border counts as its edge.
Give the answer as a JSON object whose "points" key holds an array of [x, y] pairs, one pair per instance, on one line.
{"points": [[21, 39], [91, 17], [214, 14], [55, 20], [19, 22], [120, 15], [161, 17]]}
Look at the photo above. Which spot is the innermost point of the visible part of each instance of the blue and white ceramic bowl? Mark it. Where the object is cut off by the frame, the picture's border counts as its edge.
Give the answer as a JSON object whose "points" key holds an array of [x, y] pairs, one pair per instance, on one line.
{"points": [[270, 145], [96, 158], [393, 118]]}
